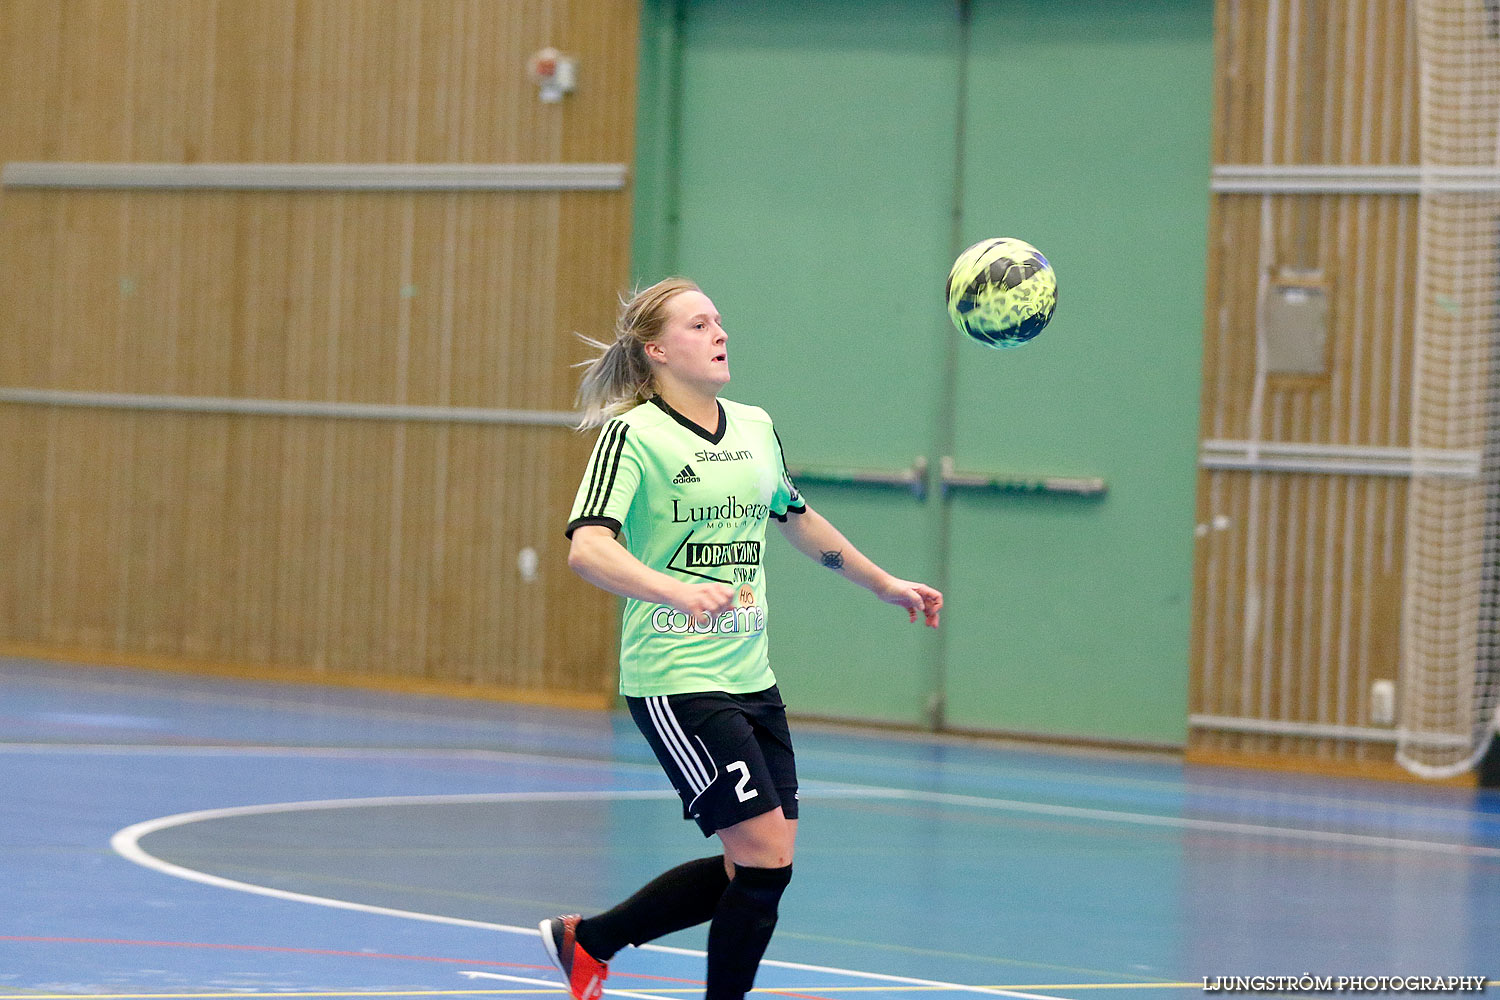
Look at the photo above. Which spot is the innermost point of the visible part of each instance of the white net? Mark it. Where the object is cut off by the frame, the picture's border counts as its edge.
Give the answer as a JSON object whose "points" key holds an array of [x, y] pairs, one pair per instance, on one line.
{"points": [[1450, 663]]}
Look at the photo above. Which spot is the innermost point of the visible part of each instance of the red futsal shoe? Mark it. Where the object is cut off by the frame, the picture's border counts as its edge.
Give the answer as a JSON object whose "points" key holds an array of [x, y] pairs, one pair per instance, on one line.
{"points": [[584, 973]]}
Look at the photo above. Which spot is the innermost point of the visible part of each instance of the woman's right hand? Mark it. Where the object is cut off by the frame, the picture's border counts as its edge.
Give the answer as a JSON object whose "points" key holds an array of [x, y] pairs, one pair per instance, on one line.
{"points": [[696, 598]]}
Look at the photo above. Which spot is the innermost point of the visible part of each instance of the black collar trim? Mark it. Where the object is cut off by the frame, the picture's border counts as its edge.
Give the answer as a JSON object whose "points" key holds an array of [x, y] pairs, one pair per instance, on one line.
{"points": [[696, 428]]}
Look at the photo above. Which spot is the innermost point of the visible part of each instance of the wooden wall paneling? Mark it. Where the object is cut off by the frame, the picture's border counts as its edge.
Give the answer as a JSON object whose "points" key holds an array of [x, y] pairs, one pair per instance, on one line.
{"points": [[510, 626], [257, 334], [309, 342], [574, 643], [90, 124], [1299, 596], [604, 40], [538, 268], [519, 628], [22, 519], [1317, 524], [327, 545], [427, 297], [30, 94], [255, 52], [503, 458], [1232, 347], [151, 603], [83, 564], [409, 573], [84, 289], [202, 354], [314, 106], [30, 240], [602, 129], [497, 457], [157, 71], [462, 560], [1236, 122]]}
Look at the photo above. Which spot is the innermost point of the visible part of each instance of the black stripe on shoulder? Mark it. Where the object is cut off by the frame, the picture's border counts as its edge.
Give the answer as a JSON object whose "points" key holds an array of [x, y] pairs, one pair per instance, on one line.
{"points": [[614, 467], [606, 459], [791, 486], [779, 447]]}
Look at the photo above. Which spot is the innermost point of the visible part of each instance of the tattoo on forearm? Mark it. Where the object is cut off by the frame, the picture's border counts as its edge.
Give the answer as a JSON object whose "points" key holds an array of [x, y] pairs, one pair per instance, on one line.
{"points": [[834, 559]]}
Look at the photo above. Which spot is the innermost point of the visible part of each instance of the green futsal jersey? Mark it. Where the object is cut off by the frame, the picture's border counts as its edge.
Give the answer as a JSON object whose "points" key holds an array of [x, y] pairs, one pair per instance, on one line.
{"points": [[693, 505]]}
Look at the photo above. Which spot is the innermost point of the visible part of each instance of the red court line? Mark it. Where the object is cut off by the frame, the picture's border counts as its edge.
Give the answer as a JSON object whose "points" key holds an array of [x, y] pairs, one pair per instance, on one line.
{"points": [[267, 948]]}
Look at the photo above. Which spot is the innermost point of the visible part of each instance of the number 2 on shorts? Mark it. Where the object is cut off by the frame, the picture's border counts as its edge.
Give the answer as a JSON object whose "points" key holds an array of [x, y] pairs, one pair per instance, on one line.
{"points": [[739, 786]]}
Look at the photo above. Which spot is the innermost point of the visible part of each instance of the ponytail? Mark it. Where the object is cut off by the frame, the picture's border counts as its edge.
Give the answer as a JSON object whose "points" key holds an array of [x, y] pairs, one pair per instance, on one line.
{"points": [[616, 380], [620, 377]]}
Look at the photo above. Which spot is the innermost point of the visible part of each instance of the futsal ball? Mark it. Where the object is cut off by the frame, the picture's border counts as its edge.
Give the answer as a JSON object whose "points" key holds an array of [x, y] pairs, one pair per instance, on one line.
{"points": [[1001, 292]]}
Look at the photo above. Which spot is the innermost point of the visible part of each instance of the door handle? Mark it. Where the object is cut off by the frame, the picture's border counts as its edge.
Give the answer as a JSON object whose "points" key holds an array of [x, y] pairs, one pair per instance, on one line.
{"points": [[949, 480], [913, 479]]}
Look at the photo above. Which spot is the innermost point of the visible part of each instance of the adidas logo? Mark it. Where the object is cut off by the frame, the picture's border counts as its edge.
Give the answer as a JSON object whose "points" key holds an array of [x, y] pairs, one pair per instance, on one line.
{"points": [[686, 476]]}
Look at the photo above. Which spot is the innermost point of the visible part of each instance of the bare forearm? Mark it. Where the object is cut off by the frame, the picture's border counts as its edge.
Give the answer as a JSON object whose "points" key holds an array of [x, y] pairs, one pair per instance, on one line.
{"points": [[608, 565], [814, 536], [598, 557], [811, 534]]}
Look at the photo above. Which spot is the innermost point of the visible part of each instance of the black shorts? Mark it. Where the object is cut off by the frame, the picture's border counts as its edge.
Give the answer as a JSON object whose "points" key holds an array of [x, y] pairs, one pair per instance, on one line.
{"points": [[728, 755]]}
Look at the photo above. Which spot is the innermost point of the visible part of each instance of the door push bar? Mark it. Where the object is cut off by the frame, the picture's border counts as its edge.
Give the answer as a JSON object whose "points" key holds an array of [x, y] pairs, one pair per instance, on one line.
{"points": [[1088, 487], [914, 480]]}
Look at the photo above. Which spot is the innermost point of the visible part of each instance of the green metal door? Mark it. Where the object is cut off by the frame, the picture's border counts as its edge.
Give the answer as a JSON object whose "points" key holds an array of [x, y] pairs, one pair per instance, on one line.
{"points": [[802, 162], [814, 179], [1070, 613]]}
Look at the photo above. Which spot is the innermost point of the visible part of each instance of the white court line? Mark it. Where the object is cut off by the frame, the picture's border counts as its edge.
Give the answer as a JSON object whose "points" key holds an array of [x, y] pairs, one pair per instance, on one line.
{"points": [[126, 843], [473, 974], [334, 752], [1177, 822], [813, 790], [470, 974], [1274, 797]]}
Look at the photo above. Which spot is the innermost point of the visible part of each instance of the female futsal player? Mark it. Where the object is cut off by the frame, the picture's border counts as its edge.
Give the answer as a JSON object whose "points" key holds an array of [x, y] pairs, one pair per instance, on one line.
{"points": [[671, 515]]}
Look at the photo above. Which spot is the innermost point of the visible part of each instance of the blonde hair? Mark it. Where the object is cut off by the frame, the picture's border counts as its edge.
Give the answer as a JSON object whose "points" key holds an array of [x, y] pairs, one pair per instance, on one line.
{"points": [[621, 377]]}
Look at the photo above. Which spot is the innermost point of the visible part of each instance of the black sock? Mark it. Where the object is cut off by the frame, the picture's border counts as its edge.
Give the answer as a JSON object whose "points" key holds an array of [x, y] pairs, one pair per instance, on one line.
{"points": [[683, 897], [742, 928]]}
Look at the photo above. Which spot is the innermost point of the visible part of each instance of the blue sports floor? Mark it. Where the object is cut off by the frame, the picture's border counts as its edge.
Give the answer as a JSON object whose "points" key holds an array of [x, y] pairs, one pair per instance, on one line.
{"points": [[172, 836]]}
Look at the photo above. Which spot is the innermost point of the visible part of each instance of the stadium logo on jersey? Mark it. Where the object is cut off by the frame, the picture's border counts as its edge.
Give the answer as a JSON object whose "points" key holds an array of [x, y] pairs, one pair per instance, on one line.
{"points": [[686, 476], [723, 456]]}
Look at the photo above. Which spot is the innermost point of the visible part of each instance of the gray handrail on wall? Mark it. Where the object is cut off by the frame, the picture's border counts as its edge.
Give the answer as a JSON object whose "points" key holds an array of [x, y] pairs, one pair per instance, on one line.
{"points": [[317, 176], [285, 407]]}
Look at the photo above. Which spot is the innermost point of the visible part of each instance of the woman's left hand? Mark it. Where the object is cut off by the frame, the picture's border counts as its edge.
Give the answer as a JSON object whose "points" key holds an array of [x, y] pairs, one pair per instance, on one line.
{"points": [[914, 597]]}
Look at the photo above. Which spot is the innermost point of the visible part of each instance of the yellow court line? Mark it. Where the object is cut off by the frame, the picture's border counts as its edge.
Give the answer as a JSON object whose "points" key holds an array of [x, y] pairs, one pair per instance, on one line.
{"points": [[773, 990], [1108, 986], [957, 989], [253, 996], [769, 990]]}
